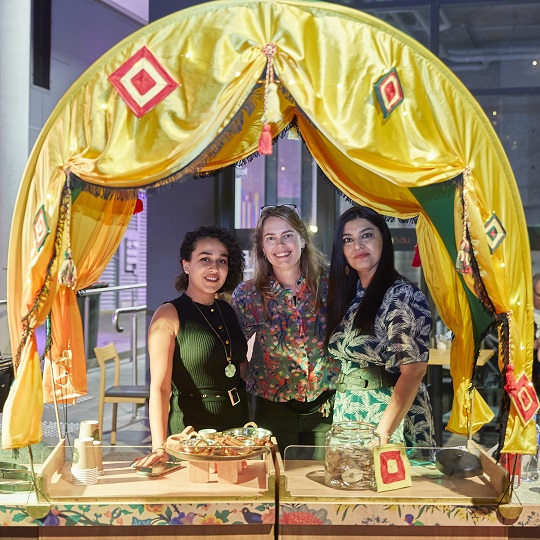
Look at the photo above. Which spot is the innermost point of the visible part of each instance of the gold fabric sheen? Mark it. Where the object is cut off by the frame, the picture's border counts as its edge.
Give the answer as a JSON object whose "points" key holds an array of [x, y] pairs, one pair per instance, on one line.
{"points": [[328, 59]]}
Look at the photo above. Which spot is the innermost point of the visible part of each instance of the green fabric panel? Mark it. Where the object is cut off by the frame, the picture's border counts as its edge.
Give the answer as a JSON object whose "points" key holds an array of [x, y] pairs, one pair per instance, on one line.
{"points": [[437, 200]]}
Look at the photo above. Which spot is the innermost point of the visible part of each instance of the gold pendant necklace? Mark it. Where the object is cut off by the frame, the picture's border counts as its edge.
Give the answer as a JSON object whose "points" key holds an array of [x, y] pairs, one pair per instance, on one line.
{"points": [[230, 368]]}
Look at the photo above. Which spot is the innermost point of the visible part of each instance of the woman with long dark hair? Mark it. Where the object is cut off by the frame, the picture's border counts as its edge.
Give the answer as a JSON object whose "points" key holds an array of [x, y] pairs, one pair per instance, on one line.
{"points": [[379, 326]]}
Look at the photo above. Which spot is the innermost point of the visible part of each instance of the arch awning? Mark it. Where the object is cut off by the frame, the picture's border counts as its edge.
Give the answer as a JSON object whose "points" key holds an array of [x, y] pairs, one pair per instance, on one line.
{"points": [[387, 122]]}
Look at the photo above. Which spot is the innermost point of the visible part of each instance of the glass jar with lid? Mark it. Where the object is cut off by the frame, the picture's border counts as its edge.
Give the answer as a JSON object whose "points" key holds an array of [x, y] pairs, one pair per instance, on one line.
{"points": [[348, 462]]}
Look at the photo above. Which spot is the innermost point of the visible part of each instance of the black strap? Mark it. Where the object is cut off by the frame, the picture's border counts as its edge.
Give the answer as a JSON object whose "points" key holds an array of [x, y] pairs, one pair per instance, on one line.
{"points": [[309, 407], [202, 394]]}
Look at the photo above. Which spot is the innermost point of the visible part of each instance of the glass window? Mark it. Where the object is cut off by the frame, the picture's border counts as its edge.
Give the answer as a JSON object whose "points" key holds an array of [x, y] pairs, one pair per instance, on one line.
{"points": [[516, 119], [492, 45], [249, 193], [289, 172], [411, 20], [253, 189]]}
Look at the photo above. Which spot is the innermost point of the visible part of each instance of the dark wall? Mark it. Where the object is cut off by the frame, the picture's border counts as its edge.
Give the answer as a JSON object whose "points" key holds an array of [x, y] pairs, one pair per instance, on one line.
{"points": [[173, 210], [159, 8]]}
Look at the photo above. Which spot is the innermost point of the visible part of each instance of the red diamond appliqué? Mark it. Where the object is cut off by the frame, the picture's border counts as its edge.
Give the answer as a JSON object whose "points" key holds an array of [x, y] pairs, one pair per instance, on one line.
{"points": [[389, 92], [142, 82]]}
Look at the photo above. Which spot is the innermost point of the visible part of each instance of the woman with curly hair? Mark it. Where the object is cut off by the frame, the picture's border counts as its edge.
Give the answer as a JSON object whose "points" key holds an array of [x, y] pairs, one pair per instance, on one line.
{"points": [[196, 345], [289, 376]]}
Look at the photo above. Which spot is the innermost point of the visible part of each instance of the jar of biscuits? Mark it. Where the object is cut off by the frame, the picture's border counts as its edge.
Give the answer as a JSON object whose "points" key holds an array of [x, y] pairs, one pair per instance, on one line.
{"points": [[348, 457]]}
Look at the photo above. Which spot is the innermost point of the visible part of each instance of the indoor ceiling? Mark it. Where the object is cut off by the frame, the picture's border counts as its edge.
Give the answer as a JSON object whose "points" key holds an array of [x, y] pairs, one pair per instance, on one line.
{"points": [[472, 35]]}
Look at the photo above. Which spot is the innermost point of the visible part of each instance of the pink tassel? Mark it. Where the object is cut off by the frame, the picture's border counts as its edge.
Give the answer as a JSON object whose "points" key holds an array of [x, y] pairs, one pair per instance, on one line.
{"points": [[265, 141], [416, 262]]}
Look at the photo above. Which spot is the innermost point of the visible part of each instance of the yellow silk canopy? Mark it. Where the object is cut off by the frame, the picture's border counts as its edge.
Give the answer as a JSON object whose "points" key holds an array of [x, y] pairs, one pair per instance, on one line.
{"points": [[435, 156]]}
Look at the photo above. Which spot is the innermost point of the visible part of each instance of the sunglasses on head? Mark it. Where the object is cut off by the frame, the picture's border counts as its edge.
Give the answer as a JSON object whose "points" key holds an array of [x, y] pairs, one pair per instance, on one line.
{"points": [[270, 207]]}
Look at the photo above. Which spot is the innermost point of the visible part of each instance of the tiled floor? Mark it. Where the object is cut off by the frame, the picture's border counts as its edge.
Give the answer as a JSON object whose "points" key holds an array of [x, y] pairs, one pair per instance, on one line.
{"points": [[132, 430]]}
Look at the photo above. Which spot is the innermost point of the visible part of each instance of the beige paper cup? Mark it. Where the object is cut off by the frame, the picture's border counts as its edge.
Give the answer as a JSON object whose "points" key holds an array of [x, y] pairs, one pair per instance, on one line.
{"points": [[84, 456], [89, 428], [99, 456]]}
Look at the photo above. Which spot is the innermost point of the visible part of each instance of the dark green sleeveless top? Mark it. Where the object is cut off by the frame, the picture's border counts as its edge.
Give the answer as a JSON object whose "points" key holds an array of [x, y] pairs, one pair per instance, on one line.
{"points": [[200, 387]]}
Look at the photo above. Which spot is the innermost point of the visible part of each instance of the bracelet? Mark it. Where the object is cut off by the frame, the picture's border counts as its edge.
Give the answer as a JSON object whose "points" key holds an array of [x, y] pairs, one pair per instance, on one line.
{"points": [[158, 448], [382, 435]]}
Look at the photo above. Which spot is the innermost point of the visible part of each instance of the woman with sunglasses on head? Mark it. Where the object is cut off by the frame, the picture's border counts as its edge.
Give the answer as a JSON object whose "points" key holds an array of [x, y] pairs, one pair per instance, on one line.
{"points": [[379, 326], [196, 345], [289, 375]]}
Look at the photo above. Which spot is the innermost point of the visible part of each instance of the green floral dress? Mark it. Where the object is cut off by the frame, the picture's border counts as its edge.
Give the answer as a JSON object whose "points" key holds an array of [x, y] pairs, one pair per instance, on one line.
{"points": [[402, 331]]}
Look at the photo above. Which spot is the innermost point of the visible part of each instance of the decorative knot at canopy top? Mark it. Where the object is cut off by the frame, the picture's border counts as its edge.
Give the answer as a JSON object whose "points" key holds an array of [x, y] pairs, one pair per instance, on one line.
{"points": [[272, 112]]}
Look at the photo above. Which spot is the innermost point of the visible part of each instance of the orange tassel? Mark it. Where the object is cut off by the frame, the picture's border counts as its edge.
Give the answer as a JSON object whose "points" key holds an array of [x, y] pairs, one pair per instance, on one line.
{"points": [[265, 141]]}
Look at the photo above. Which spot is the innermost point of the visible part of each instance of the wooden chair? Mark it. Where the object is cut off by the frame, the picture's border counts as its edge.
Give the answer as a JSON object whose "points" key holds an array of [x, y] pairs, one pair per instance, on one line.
{"points": [[118, 393]]}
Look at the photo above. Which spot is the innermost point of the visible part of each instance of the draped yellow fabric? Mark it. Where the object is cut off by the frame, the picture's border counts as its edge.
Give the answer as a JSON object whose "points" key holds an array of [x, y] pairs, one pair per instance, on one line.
{"points": [[327, 62], [97, 227], [23, 409], [451, 303]]}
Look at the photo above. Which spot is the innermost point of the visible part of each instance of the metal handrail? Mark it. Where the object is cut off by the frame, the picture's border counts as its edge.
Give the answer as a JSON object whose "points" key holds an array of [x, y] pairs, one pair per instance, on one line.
{"points": [[85, 293], [134, 333], [100, 290], [120, 310]]}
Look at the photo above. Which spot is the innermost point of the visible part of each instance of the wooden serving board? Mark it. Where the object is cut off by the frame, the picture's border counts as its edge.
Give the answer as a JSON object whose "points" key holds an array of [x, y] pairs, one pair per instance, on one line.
{"points": [[120, 481]]}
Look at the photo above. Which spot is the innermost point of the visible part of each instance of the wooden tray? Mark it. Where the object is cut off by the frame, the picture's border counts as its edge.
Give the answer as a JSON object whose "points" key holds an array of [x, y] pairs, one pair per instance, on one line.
{"points": [[255, 452], [304, 480]]}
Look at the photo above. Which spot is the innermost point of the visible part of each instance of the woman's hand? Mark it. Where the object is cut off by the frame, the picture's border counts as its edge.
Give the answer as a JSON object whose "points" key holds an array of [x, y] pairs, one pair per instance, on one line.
{"points": [[402, 396], [159, 455], [378, 439]]}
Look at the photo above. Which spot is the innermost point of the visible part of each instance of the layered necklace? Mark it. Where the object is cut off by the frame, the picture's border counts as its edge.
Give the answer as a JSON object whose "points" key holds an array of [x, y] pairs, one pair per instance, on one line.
{"points": [[230, 368]]}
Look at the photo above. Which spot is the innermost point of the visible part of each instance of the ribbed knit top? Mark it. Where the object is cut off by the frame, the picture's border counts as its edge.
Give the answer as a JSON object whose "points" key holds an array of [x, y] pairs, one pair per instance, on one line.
{"points": [[200, 359]]}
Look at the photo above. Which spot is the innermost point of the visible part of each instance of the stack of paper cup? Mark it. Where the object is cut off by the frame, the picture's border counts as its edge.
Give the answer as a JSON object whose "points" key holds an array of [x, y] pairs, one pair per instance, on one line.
{"points": [[99, 457], [83, 468], [89, 428]]}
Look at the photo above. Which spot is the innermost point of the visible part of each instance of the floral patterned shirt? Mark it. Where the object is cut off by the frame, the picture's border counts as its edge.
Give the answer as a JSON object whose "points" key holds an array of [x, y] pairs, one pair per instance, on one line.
{"points": [[402, 330], [289, 360]]}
